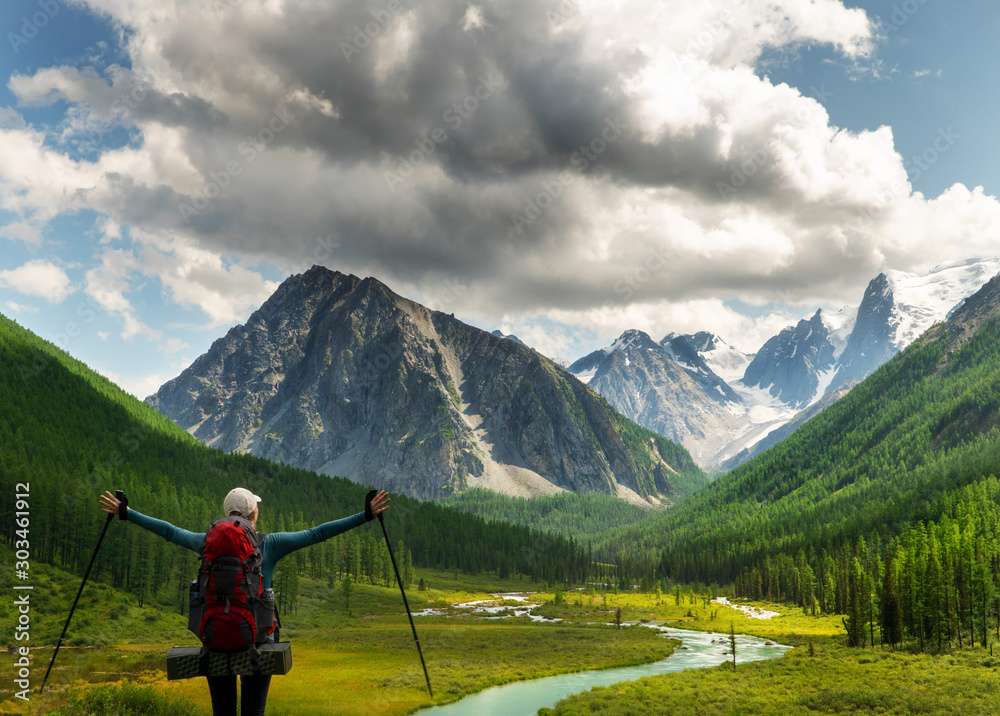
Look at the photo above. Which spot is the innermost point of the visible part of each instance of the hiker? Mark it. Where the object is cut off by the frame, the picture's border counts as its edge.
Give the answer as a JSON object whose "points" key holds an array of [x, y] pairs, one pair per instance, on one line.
{"points": [[242, 503]]}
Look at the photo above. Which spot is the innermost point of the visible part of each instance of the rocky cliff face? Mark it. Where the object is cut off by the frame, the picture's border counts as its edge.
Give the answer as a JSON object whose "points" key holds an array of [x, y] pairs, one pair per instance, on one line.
{"points": [[688, 351], [724, 405], [340, 375], [665, 387], [871, 342], [791, 365], [898, 307]]}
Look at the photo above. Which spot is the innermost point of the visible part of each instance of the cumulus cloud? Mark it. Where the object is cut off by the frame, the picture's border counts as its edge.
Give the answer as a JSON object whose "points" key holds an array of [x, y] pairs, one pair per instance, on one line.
{"points": [[107, 285], [38, 278], [584, 161], [21, 231], [199, 278]]}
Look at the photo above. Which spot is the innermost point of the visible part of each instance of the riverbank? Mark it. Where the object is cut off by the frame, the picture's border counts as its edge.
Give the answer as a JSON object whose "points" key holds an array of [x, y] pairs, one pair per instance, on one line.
{"points": [[834, 679], [697, 650]]}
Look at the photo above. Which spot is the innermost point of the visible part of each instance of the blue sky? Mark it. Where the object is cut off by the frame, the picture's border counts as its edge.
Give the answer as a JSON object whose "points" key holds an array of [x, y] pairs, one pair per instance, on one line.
{"points": [[937, 71], [138, 291]]}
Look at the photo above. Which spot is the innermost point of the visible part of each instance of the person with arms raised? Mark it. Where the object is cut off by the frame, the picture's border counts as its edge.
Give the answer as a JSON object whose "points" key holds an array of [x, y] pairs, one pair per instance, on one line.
{"points": [[237, 562]]}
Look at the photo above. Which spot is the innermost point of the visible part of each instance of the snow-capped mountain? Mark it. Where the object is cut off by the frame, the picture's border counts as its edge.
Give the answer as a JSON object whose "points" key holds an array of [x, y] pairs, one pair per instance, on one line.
{"points": [[666, 387], [685, 351], [586, 368], [921, 301], [797, 365], [510, 336], [898, 307], [803, 368], [726, 361]]}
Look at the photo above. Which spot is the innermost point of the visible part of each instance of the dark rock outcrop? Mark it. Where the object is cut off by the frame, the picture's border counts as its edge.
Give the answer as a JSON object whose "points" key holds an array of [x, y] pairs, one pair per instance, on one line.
{"points": [[340, 375]]}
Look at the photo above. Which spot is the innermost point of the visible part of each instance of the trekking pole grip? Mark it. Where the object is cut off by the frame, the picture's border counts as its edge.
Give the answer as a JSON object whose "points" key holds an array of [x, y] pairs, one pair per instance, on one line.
{"points": [[122, 504], [369, 515]]}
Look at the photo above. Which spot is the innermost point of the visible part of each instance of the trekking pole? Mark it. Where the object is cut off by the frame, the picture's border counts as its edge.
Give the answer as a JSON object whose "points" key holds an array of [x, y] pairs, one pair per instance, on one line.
{"points": [[399, 580], [120, 495]]}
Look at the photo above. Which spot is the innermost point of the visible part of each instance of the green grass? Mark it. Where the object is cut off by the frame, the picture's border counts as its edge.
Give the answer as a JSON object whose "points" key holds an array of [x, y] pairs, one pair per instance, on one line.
{"points": [[103, 616], [124, 699], [835, 680], [363, 661], [792, 626], [375, 668], [357, 661]]}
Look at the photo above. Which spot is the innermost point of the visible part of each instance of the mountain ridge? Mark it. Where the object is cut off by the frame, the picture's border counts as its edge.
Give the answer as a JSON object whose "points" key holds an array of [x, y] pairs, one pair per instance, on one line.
{"points": [[887, 455], [796, 373], [343, 376]]}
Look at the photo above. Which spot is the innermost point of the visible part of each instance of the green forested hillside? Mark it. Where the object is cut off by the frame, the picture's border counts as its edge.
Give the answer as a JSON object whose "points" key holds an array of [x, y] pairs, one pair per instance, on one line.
{"points": [[883, 507], [71, 434], [571, 514]]}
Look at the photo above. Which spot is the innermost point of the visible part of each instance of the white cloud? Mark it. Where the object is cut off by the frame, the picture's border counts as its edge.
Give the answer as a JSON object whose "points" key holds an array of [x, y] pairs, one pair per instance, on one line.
{"points": [[195, 277], [107, 285], [662, 317], [474, 19], [20, 308], [11, 119], [140, 386], [38, 278], [741, 188], [21, 231]]}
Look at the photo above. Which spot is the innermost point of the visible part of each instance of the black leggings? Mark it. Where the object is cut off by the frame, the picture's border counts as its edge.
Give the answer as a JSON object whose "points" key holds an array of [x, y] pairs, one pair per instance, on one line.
{"points": [[223, 690]]}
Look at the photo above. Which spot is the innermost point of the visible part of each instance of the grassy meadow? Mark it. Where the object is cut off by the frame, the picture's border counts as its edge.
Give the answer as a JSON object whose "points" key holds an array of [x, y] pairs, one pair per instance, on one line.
{"points": [[351, 656], [357, 656], [820, 675]]}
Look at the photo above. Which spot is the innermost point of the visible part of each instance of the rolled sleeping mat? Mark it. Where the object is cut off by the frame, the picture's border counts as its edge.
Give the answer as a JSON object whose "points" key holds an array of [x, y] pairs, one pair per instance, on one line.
{"points": [[184, 662]]}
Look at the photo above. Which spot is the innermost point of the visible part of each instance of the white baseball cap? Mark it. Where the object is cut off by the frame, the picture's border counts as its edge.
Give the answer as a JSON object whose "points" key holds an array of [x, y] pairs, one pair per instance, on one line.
{"points": [[240, 500]]}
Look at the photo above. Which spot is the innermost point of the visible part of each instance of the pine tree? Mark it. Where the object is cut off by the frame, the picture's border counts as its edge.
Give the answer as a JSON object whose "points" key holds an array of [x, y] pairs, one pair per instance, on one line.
{"points": [[854, 622], [891, 616]]}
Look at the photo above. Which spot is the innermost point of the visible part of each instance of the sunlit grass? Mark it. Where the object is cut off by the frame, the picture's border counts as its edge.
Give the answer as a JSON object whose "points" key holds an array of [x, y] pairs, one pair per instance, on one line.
{"points": [[356, 660], [820, 675], [835, 679]]}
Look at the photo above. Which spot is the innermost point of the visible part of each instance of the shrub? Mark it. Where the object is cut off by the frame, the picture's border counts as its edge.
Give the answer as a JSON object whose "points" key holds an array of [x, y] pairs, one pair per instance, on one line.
{"points": [[127, 699]]}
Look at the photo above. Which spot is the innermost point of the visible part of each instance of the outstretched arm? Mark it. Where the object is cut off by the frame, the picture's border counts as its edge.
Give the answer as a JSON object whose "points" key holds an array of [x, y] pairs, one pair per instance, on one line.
{"points": [[192, 540], [282, 543]]}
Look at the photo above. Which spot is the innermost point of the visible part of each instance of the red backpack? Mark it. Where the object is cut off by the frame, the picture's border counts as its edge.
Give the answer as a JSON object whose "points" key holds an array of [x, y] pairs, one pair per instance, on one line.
{"points": [[230, 609]]}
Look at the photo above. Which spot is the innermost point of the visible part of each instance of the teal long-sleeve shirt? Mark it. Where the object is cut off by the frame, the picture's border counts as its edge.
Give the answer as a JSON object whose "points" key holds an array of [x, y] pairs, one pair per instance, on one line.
{"points": [[274, 547]]}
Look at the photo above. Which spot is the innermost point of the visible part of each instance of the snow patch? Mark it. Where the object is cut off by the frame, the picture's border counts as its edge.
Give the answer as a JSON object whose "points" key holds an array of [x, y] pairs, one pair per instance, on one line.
{"points": [[839, 326], [921, 301], [727, 362], [825, 378], [762, 407]]}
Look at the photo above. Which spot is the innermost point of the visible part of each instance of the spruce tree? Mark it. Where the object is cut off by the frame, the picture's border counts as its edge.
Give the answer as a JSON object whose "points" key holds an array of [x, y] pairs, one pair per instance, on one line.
{"points": [[891, 616]]}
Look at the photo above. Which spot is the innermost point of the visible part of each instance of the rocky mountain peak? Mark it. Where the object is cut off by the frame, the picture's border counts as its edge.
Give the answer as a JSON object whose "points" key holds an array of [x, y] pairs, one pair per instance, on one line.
{"points": [[340, 375], [633, 340]]}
